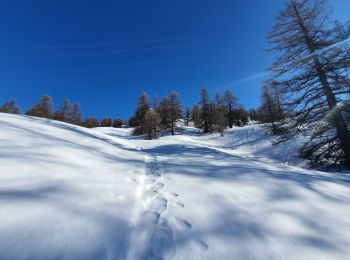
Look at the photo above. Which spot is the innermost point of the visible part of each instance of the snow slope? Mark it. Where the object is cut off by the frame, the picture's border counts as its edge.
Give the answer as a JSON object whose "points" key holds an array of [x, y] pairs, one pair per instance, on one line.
{"points": [[73, 193], [251, 141]]}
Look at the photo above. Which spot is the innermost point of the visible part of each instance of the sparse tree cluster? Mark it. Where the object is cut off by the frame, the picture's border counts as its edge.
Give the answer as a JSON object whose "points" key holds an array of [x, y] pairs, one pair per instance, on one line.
{"points": [[218, 114], [270, 110], [210, 115], [67, 112], [168, 111]]}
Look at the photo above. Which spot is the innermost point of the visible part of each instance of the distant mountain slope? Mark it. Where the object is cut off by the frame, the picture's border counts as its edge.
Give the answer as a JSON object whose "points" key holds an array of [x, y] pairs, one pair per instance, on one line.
{"points": [[68, 192]]}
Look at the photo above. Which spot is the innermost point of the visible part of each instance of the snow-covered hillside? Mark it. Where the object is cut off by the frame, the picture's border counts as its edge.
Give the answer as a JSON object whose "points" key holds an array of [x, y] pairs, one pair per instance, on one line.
{"points": [[72, 193]]}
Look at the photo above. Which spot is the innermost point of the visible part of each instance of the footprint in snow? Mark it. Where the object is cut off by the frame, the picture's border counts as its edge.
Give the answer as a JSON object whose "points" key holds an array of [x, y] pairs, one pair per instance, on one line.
{"points": [[202, 244], [180, 204], [158, 205], [158, 186], [150, 181], [185, 224], [150, 193], [151, 217]]}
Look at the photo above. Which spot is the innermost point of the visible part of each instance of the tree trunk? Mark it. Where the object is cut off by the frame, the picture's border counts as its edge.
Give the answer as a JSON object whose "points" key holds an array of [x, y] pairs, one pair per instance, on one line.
{"points": [[172, 122], [278, 101], [272, 117], [230, 118]]}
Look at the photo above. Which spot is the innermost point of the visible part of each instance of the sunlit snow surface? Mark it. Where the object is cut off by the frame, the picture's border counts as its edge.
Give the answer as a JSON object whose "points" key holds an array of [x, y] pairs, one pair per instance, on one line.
{"points": [[71, 193]]}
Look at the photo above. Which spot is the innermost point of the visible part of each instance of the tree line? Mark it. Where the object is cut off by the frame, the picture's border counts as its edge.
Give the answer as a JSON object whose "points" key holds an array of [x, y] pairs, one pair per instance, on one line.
{"points": [[209, 115], [67, 112]]}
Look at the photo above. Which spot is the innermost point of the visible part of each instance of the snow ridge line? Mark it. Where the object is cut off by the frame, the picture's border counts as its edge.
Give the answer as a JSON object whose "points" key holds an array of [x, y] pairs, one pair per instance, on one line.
{"points": [[152, 233]]}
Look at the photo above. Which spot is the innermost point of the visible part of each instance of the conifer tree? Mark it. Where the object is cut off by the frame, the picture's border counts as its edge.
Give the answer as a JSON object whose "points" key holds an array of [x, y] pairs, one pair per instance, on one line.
{"points": [[205, 111], [151, 124], [231, 103], [219, 114], [10, 107], [106, 122], [142, 107], [155, 103], [313, 68], [187, 116], [175, 110], [76, 114], [118, 123], [91, 122], [43, 108], [64, 112], [164, 113], [196, 116]]}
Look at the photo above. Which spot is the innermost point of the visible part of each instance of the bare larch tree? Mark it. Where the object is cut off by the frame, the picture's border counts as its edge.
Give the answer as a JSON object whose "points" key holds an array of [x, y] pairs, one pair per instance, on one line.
{"points": [[311, 69]]}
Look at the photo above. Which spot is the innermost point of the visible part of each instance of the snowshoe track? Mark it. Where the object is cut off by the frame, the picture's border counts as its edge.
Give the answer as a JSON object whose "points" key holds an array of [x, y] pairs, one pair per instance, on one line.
{"points": [[157, 235]]}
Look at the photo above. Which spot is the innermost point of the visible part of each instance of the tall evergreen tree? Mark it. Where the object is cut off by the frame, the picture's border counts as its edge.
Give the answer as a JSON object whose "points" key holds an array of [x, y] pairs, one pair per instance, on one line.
{"points": [[175, 110], [142, 107], [76, 114], [164, 113], [155, 103], [187, 116], [219, 114], [196, 116], [43, 108], [64, 112], [231, 103], [151, 124], [205, 111], [118, 123], [313, 69]]}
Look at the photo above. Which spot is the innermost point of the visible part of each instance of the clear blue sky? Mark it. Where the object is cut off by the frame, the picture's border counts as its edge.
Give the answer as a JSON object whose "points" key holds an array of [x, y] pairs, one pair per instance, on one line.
{"points": [[103, 54]]}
